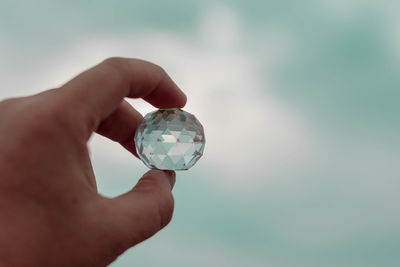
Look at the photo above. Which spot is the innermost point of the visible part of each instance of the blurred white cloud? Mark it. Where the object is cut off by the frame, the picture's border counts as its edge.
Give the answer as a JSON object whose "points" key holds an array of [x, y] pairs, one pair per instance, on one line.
{"points": [[301, 185], [250, 133]]}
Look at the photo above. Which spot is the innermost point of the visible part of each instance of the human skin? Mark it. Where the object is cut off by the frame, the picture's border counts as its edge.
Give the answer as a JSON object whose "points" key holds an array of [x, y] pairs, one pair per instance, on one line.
{"points": [[50, 211]]}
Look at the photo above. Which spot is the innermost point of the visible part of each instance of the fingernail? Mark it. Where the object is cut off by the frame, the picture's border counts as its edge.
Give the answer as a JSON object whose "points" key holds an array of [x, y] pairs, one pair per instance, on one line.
{"points": [[171, 177]]}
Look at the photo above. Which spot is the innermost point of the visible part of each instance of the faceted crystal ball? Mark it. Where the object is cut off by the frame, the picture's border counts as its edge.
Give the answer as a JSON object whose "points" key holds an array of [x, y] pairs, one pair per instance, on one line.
{"points": [[170, 139]]}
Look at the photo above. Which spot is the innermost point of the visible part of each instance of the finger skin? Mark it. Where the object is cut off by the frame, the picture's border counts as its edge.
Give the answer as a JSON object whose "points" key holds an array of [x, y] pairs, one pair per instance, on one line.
{"points": [[143, 211], [50, 211], [121, 126], [97, 92]]}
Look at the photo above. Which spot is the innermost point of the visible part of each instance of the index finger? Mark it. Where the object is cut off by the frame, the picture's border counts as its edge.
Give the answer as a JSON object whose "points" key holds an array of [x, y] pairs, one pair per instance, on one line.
{"points": [[95, 93]]}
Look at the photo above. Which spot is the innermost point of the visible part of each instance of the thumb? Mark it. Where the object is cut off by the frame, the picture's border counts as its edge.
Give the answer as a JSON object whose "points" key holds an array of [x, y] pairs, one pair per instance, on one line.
{"points": [[143, 211]]}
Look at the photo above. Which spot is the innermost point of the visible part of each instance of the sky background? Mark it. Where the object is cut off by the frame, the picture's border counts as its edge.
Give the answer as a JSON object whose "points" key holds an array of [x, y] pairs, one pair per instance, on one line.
{"points": [[300, 105]]}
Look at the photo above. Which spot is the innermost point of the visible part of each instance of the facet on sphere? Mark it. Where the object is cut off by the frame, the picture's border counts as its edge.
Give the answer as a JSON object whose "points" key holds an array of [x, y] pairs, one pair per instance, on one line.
{"points": [[170, 139]]}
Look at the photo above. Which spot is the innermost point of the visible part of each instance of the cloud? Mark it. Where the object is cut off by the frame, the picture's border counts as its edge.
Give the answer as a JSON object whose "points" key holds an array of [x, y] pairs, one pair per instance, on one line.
{"points": [[249, 131], [301, 186]]}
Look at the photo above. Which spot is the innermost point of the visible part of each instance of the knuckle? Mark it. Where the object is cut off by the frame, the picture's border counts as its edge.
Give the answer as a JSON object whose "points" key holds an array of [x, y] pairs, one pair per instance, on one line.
{"points": [[38, 122], [159, 69], [45, 117], [166, 210], [151, 180], [162, 200], [8, 102], [42, 116], [7, 107], [115, 62], [117, 67], [161, 211]]}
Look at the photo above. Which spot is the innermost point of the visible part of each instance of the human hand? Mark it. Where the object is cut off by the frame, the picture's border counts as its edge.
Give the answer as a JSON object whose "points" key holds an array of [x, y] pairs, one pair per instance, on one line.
{"points": [[50, 211]]}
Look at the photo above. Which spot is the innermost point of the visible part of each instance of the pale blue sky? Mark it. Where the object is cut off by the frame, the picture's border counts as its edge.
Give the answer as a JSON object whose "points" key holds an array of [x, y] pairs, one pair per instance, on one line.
{"points": [[299, 101]]}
